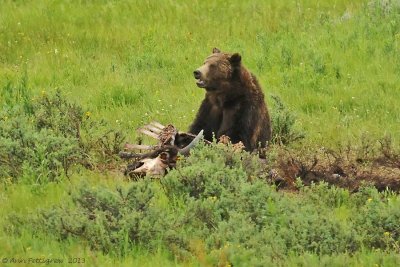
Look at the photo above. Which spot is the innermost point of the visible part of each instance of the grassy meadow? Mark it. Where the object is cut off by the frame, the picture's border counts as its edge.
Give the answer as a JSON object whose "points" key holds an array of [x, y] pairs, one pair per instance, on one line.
{"points": [[334, 64]]}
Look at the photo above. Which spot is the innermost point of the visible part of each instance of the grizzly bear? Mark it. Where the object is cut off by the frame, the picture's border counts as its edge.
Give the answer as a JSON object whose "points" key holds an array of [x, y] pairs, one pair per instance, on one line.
{"points": [[234, 103]]}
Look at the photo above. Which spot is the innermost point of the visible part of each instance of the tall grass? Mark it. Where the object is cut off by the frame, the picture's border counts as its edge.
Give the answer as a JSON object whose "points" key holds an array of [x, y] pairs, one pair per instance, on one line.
{"points": [[333, 63]]}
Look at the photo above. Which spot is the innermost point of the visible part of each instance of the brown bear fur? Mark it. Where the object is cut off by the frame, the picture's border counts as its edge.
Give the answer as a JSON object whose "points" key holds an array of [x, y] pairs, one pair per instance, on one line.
{"points": [[234, 103]]}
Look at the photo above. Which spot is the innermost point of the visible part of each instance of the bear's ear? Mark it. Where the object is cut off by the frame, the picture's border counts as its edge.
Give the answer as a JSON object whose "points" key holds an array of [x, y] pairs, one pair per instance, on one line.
{"points": [[216, 50], [235, 59]]}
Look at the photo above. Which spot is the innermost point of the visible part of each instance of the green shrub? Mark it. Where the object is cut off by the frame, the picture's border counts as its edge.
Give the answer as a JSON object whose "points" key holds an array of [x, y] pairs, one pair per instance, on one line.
{"points": [[43, 142], [283, 124], [207, 173], [208, 205], [378, 221], [37, 155], [110, 221]]}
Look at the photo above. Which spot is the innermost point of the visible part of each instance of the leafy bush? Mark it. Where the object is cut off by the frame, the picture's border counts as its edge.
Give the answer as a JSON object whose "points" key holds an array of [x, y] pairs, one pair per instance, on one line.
{"points": [[378, 221], [25, 152], [283, 124], [42, 139], [212, 205], [106, 219], [209, 172]]}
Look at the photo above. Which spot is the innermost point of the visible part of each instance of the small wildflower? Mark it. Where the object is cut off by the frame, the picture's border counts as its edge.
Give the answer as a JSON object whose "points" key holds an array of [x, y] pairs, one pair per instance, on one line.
{"points": [[55, 51], [8, 180], [88, 113], [386, 234], [213, 198], [369, 199]]}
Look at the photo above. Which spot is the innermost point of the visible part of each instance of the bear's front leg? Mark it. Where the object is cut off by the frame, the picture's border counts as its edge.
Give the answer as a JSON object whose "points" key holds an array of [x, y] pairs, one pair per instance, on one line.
{"points": [[208, 119], [228, 125]]}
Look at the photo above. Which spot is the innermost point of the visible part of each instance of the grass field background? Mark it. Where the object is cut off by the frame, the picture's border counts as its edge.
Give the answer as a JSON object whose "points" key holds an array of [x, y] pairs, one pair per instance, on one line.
{"points": [[334, 64]]}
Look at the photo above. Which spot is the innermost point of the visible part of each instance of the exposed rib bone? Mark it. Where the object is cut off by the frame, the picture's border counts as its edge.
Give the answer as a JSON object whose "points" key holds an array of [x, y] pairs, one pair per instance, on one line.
{"points": [[157, 124], [139, 147], [152, 128], [147, 132]]}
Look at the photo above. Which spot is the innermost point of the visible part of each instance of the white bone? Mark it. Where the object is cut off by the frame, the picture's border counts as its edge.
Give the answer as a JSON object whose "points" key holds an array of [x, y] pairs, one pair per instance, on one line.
{"points": [[157, 124], [152, 167], [147, 132]]}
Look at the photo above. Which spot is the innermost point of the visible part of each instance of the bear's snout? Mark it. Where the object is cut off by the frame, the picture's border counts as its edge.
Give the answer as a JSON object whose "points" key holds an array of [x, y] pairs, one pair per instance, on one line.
{"points": [[197, 74]]}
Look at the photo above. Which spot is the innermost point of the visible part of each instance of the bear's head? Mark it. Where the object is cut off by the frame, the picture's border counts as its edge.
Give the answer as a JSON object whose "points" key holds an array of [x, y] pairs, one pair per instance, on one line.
{"points": [[218, 71]]}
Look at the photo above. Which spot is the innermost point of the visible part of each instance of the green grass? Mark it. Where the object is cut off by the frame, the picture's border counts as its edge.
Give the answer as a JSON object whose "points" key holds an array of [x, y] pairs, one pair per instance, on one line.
{"points": [[335, 64]]}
